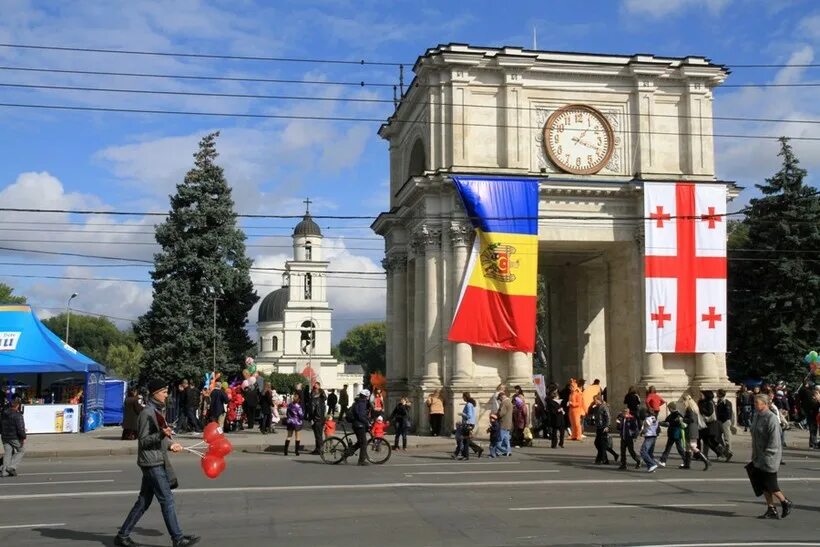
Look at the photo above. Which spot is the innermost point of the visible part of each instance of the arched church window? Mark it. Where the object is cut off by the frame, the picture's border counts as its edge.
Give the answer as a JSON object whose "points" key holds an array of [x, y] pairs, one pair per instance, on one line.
{"points": [[308, 286], [308, 337], [286, 279], [308, 251], [275, 343]]}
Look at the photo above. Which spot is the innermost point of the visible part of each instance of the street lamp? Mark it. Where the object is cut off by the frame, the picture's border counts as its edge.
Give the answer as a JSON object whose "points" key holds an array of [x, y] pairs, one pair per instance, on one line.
{"points": [[68, 315], [214, 292]]}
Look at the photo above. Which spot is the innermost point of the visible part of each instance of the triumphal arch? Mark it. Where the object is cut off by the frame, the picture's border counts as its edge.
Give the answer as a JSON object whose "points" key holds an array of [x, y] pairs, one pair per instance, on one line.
{"points": [[500, 112]]}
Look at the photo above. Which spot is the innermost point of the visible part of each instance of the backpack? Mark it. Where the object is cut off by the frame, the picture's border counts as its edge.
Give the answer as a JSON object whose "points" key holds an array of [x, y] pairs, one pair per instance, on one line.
{"points": [[350, 414]]}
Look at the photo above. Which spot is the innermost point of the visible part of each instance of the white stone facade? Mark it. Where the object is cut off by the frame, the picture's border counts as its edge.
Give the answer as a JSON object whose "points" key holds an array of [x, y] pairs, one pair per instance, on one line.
{"points": [[482, 111]]}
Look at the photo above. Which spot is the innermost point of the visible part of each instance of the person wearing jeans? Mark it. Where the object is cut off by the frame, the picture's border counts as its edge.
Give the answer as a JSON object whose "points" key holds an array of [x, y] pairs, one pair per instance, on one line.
{"points": [[505, 417], [650, 436], [158, 478]]}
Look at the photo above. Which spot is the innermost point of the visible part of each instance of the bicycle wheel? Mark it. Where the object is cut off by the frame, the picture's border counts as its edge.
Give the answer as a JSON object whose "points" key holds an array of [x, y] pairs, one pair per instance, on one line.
{"points": [[333, 450], [378, 451]]}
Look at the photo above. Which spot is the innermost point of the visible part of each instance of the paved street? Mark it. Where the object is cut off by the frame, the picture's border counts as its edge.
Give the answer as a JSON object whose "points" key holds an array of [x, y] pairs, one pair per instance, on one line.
{"points": [[539, 496]]}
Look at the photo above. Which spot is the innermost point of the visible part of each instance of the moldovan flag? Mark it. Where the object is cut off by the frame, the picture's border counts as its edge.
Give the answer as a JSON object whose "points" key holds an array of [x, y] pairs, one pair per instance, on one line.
{"points": [[496, 306], [685, 266]]}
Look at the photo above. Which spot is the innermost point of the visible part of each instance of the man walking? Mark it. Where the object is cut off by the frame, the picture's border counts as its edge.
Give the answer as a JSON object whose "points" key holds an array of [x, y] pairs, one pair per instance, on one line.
{"points": [[344, 401], [505, 418], [13, 431], [158, 478], [332, 401], [191, 404], [726, 419], [316, 412]]}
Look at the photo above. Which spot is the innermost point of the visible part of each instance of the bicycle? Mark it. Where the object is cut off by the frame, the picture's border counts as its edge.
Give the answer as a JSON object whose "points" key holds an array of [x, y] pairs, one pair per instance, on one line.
{"points": [[337, 449]]}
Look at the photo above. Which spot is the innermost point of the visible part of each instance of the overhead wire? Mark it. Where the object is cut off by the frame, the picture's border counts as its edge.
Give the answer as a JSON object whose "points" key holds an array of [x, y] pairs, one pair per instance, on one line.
{"points": [[391, 120], [371, 100]]}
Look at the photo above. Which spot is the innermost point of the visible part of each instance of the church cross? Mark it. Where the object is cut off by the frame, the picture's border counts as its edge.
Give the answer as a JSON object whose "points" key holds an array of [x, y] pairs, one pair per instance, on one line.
{"points": [[711, 217], [660, 317], [711, 317], [307, 203], [660, 216]]}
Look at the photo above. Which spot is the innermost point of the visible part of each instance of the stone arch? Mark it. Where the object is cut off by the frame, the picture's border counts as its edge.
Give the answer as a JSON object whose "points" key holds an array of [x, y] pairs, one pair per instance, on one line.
{"points": [[307, 342], [418, 159], [275, 343]]}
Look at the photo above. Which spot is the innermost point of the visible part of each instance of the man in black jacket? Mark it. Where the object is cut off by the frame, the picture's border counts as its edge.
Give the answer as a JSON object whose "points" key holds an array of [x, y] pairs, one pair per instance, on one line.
{"points": [[191, 405], [158, 478], [332, 401], [13, 431], [344, 401], [251, 395], [316, 411], [361, 424]]}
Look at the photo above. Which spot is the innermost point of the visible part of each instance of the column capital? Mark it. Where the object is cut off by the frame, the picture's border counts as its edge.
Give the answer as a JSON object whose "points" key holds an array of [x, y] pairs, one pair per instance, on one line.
{"points": [[396, 262], [460, 232], [426, 237]]}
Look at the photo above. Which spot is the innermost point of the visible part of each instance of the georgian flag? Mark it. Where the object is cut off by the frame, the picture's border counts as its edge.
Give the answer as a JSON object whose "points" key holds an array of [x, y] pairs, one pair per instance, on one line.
{"points": [[685, 267]]}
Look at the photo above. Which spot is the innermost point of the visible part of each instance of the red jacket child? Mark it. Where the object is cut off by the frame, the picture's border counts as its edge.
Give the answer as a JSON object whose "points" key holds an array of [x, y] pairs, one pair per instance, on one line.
{"points": [[330, 427], [235, 405], [379, 427]]}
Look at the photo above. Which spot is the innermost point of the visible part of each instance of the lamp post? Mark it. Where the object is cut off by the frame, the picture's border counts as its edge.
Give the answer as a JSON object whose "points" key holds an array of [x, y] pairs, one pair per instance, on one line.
{"points": [[214, 292], [68, 315]]}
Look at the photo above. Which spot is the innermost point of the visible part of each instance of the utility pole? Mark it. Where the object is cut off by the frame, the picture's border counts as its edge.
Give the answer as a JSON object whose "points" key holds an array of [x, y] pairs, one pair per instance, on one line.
{"points": [[68, 316]]}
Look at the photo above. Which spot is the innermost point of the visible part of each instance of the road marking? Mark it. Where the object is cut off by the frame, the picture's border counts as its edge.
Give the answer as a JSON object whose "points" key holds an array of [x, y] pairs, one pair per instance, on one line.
{"points": [[769, 544], [74, 473], [648, 506], [49, 483], [48, 525], [478, 472], [385, 486], [451, 463]]}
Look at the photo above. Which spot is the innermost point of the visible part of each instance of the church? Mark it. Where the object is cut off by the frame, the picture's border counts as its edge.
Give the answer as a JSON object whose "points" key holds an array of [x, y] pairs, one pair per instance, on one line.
{"points": [[635, 121], [294, 322]]}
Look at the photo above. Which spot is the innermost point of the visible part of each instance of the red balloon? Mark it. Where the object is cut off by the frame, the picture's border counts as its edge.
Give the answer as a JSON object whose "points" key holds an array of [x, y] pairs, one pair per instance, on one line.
{"points": [[212, 465], [211, 432], [221, 447]]}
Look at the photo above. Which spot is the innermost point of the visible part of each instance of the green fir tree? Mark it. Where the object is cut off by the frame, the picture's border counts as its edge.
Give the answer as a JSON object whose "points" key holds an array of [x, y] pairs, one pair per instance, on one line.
{"points": [[774, 277], [202, 266]]}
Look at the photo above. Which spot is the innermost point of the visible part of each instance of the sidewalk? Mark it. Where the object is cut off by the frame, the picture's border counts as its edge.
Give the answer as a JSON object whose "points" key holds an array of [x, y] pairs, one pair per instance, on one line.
{"points": [[106, 442]]}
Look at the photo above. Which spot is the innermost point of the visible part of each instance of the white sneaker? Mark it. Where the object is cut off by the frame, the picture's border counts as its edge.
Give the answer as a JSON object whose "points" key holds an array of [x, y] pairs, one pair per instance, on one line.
{"points": [[662, 464], [652, 469]]}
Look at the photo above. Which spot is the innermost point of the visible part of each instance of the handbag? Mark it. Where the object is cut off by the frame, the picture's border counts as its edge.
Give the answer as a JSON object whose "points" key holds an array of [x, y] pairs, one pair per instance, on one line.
{"points": [[528, 433], [754, 479], [701, 422]]}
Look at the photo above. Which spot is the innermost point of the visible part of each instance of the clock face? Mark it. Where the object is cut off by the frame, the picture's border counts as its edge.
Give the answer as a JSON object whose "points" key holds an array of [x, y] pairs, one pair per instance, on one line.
{"points": [[578, 139]]}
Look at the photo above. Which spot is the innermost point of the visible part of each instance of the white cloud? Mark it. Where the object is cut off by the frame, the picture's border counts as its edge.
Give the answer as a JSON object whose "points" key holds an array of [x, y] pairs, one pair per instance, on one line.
{"points": [[662, 8]]}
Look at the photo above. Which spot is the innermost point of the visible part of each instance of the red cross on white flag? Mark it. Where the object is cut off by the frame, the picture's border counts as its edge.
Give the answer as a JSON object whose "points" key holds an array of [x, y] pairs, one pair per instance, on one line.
{"points": [[685, 267]]}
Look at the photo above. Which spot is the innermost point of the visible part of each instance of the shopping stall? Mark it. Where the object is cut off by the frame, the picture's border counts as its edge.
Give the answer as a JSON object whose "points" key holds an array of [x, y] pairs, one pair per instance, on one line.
{"points": [[62, 390]]}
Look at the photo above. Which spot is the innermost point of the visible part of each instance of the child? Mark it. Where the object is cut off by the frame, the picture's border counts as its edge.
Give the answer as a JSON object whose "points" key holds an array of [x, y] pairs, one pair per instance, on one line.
{"points": [[459, 441], [650, 431], [628, 429], [330, 426], [234, 417], [495, 435], [377, 431]]}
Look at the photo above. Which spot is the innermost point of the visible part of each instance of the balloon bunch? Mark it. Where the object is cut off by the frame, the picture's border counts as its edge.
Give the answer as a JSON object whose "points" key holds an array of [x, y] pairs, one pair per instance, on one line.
{"points": [[213, 460], [812, 359], [250, 374]]}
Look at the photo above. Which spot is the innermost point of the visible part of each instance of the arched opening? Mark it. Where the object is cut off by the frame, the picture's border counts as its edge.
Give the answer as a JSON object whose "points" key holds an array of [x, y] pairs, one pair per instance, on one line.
{"points": [[308, 337], [275, 343], [308, 286], [418, 160], [308, 251]]}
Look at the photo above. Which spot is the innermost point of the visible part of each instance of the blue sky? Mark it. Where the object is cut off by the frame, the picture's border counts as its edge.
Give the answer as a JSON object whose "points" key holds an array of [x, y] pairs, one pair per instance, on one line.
{"points": [[71, 160]]}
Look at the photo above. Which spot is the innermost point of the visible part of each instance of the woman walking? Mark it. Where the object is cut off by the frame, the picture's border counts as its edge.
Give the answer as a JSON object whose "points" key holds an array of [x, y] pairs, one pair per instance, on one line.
{"points": [[295, 417], [400, 419], [519, 421], [468, 423], [691, 418], [767, 452], [435, 407]]}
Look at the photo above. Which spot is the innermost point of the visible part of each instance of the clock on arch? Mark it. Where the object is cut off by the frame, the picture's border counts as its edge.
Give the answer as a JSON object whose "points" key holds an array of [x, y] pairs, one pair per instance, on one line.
{"points": [[578, 139]]}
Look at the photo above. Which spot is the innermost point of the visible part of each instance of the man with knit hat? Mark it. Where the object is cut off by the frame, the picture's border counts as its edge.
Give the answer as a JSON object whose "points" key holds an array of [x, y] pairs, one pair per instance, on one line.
{"points": [[158, 478]]}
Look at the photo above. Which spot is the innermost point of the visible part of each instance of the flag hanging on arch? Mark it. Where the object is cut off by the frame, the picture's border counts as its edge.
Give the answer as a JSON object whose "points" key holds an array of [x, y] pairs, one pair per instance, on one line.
{"points": [[685, 267], [497, 303]]}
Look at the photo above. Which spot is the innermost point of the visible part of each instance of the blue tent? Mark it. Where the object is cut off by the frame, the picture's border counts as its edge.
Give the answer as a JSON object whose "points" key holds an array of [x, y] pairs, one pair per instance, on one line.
{"points": [[28, 347], [114, 398]]}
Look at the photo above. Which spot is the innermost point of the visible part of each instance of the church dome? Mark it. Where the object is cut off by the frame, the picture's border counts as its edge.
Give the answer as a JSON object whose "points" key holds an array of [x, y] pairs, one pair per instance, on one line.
{"points": [[272, 308], [307, 227]]}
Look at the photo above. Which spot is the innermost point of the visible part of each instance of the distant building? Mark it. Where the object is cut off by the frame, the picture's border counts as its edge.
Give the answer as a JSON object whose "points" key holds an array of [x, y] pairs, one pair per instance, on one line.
{"points": [[294, 322]]}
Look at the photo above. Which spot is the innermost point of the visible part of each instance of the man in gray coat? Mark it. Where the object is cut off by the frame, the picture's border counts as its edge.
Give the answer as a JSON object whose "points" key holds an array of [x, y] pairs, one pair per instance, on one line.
{"points": [[767, 453], [505, 418], [158, 478]]}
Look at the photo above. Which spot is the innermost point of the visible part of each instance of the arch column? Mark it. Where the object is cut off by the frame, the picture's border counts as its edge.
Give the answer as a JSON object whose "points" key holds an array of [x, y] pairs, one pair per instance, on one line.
{"points": [[460, 235]]}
